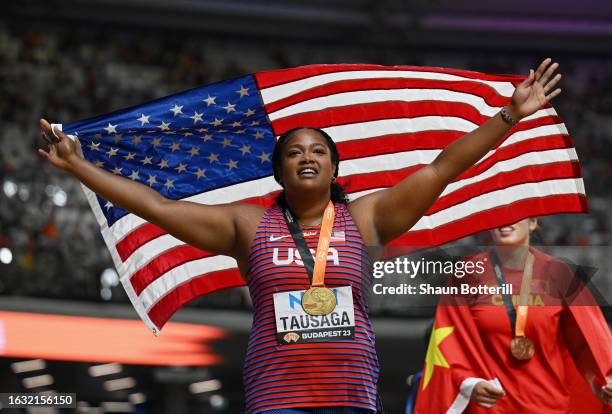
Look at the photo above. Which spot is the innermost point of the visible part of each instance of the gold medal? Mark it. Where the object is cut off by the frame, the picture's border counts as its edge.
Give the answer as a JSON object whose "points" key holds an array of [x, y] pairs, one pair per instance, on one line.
{"points": [[521, 348], [318, 301]]}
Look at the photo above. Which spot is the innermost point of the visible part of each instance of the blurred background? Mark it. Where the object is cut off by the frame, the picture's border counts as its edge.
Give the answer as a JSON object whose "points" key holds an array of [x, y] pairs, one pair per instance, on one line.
{"points": [[67, 60]]}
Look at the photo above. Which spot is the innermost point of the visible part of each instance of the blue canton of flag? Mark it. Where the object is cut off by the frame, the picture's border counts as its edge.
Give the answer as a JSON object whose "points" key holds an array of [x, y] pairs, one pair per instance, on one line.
{"points": [[184, 144]]}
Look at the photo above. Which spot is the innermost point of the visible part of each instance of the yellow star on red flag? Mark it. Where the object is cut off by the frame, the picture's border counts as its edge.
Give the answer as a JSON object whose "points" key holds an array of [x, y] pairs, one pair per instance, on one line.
{"points": [[434, 356]]}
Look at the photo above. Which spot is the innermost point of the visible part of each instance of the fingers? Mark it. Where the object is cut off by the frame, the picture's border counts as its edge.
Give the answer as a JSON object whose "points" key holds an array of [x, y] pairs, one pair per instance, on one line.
{"points": [[529, 79], [548, 73], [52, 133], [553, 94], [486, 395], [542, 68], [43, 154], [552, 83], [488, 399], [45, 137], [607, 392], [486, 402], [58, 133], [492, 391], [48, 134]]}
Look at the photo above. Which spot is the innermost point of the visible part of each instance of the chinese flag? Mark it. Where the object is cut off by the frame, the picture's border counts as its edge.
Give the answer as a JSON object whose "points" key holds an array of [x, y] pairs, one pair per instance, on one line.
{"points": [[457, 358], [453, 362]]}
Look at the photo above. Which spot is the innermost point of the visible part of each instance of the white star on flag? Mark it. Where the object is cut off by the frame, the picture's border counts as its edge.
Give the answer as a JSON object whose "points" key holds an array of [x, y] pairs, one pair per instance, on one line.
{"points": [[144, 119], [210, 100], [243, 91], [176, 109], [197, 117], [111, 129]]}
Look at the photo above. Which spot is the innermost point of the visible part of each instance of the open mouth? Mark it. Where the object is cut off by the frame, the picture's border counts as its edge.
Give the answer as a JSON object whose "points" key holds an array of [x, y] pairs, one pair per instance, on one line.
{"points": [[506, 230], [307, 172]]}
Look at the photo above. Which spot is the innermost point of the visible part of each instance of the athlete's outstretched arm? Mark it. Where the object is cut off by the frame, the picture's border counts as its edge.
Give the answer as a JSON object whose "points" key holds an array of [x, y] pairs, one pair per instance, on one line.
{"points": [[214, 228], [393, 211]]}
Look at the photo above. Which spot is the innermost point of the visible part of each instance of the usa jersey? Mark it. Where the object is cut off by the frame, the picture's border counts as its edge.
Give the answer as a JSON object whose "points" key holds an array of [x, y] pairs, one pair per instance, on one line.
{"points": [[341, 373]]}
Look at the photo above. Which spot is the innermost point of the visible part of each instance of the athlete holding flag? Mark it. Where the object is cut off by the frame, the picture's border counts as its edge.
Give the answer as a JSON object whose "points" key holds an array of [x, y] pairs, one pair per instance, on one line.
{"points": [[283, 372]]}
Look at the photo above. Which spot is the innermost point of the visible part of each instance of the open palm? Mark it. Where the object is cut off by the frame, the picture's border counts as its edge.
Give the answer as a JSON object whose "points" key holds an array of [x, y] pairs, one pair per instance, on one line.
{"points": [[534, 91]]}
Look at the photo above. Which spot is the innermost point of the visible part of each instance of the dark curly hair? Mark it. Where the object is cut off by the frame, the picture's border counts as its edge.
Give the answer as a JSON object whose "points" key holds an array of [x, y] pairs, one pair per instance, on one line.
{"points": [[338, 194]]}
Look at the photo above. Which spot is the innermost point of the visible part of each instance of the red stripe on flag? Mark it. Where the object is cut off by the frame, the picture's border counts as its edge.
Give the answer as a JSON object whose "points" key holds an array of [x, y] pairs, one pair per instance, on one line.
{"points": [[281, 76], [499, 181], [512, 151], [528, 174], [137, 238], [163, 263], [182, 294], [352, 114], [379, 179], [388, 144], [494, 217], [481, 90]]}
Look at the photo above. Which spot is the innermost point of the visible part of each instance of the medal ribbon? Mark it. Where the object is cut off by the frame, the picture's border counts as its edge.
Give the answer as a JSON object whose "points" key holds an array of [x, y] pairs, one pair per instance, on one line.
{"points": [[521, 317], [314, 267], [517, 320]]}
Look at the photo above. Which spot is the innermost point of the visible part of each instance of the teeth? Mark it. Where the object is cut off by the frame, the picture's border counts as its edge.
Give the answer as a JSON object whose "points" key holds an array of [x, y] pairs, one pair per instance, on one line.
{"points": [[308, 170]]}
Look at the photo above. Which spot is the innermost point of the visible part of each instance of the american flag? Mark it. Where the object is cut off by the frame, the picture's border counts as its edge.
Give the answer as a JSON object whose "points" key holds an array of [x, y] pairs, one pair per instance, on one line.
{"points": [[213, 145]]}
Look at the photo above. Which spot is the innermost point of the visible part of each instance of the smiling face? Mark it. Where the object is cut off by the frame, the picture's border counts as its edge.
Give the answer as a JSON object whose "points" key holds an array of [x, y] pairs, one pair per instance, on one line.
{"points": [[306, 162], [516, 234]]}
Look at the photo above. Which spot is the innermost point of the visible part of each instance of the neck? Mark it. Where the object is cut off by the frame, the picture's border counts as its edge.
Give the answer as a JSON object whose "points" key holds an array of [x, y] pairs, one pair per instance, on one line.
{"points": [[307, 208], [512, 257]]}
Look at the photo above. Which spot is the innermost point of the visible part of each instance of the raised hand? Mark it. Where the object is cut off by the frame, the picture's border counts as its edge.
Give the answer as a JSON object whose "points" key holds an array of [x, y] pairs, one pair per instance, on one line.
{"points": [[535, 91], [61, 148]]}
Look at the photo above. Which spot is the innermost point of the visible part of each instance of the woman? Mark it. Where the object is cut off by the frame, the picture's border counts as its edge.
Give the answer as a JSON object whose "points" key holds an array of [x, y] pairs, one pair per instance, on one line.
{"points": [[529, 339], [334, 375], [546, 324]]}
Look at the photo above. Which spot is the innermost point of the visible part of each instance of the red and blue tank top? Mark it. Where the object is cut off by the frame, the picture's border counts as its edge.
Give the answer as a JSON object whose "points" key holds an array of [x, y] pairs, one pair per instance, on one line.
{"points": [[342, 373]]}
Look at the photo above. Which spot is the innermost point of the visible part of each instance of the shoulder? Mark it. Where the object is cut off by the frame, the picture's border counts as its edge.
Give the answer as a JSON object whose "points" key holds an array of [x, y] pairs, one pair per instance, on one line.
{"points": [[246, 218], [246, 221], [361, 212], [246, 210], [541, 256], [550, 265]]}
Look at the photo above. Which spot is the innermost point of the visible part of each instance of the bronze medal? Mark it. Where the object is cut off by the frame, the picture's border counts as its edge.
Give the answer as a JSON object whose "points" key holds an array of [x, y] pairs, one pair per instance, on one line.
{"points": [[318, 301], [521, 348]]}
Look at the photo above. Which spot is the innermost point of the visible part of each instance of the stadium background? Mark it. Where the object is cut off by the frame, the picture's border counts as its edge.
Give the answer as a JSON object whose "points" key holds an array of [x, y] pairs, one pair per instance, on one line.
{"points": [[68, 60]]}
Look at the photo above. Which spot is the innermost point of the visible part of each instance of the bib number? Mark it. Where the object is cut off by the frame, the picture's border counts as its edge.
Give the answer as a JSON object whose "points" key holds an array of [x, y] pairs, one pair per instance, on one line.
{"points": [[293, 325]]}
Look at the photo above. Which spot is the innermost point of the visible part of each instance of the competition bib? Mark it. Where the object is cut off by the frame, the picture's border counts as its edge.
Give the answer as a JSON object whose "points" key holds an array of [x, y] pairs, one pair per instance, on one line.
{"points": [[294, 325]]}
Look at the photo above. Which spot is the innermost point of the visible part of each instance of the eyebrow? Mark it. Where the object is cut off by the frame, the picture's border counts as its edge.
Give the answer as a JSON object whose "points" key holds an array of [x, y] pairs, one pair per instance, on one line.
{"points": [[302, 146]]}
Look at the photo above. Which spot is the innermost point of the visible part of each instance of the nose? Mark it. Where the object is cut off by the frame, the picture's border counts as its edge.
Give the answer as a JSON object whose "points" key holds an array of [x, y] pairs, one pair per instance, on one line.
{"points": [[306, 158]]}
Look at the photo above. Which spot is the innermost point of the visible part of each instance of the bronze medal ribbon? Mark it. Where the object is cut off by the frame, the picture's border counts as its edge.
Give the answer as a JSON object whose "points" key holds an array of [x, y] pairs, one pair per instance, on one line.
{"points": [[520, 347]]}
